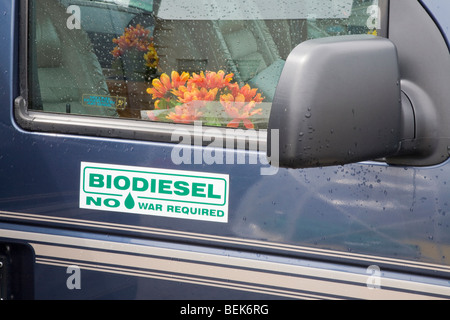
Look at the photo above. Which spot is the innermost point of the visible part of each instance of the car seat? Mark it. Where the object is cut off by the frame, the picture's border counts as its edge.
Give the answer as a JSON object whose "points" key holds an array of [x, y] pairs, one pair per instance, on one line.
{"points": [[254, 53], [243, 47], [67, 68]]}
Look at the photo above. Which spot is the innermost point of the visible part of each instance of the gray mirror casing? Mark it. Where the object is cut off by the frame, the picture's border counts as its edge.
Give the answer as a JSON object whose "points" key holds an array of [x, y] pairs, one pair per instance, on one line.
{"points": [[338, 101]]}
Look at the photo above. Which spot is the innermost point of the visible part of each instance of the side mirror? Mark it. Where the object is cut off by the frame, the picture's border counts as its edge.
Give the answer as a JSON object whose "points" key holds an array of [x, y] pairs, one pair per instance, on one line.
{"points": [[338, 101]]}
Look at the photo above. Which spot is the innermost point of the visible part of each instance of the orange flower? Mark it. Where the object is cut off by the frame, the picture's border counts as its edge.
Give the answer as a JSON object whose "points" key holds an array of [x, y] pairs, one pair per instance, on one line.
{"points": [[211, 80], [186, 113], [193, 93], [240, 104], [248, 93], [117, 52], [162, 87], [179, 80], [133, 37], [188, 95], [193, 99]]}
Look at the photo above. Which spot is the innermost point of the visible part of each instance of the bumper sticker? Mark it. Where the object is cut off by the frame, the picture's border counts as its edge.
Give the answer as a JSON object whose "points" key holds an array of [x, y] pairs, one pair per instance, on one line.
{"points": [[157, 192]]}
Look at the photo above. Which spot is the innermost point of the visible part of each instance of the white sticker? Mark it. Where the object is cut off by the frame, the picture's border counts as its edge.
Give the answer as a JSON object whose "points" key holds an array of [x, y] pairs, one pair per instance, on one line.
{"points": [[155, 192]]}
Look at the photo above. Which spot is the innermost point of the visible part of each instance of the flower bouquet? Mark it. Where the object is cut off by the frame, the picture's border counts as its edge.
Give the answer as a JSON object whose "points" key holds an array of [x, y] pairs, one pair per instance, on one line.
{"points": [[135, 55], [210, 97]]}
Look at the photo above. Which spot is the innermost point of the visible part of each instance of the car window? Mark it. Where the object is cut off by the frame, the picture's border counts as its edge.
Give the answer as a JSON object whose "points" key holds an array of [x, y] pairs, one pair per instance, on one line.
{"points": [[172, 61]]}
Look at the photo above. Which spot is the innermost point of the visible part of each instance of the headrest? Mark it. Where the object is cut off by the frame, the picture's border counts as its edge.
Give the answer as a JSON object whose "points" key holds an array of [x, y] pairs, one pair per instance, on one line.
{"points": [[227, 26], [241, 43], [48, 44]]}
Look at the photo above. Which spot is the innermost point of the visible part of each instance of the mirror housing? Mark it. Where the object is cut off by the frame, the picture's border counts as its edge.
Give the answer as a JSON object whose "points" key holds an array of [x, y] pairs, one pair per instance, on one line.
{"points": [[338, 101]]}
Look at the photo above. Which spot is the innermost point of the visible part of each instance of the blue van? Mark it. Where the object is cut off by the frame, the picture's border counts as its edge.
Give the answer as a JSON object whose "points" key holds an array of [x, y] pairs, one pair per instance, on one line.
{"points": [[167, 149]]}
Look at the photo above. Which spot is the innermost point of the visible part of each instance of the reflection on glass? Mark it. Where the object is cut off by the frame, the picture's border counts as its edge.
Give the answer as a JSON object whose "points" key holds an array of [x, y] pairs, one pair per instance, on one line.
{"points": [[173, 61]]}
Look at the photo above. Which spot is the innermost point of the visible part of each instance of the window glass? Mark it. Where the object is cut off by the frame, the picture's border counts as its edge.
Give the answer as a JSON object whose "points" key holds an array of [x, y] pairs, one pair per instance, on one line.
{"points": [[176, 61]]}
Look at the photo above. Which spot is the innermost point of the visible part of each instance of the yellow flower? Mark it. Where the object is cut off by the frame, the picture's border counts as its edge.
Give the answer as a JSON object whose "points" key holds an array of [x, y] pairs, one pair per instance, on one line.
{"points": [[151, 57]]}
